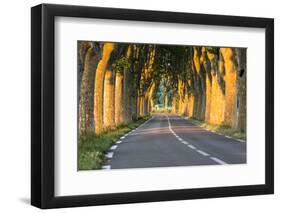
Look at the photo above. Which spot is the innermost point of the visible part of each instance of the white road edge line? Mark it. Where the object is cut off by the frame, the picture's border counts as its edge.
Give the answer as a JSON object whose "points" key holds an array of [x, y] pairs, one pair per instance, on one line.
{"points": [[202, 152], [184, 142], [218, 160], [106, 167], [109, 155], [113, 147], [127, 134], [118, 142]]}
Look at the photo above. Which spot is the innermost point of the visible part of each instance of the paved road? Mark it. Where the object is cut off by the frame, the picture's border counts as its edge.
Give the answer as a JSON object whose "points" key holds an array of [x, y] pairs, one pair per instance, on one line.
{"points": [[170, 140]]}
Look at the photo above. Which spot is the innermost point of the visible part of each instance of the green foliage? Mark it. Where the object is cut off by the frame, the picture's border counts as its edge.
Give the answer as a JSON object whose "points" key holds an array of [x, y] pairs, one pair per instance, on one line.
{"points": [[122, 65], [92, 148]]}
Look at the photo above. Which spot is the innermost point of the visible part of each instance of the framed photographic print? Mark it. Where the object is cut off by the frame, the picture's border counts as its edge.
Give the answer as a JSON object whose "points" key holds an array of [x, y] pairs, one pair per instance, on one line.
{"points": [[139, 106]]}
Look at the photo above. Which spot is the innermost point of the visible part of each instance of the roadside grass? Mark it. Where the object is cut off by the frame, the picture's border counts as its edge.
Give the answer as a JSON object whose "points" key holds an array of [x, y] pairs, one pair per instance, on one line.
{"points": [[92, 148], [221, 129]]}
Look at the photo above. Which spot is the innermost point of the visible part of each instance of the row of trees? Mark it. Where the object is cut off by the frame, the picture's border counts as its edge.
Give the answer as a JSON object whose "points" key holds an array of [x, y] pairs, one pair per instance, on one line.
{"points": [[115, 84], [206, 83], [118, 83]]}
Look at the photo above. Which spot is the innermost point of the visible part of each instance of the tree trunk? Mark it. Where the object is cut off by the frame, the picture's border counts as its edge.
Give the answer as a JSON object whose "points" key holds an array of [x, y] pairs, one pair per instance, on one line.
{"points": [[119, 99], [150, 97], [174, 104], [241, 81], [190, 105], [181, 96], [230, 87], [88, 62], [208, 82], [199, 80], [127, 91], [109, 100], [99, 83], [216, 115]]}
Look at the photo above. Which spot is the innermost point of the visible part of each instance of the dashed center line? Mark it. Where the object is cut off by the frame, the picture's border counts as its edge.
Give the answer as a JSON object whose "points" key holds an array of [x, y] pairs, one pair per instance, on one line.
{"points": [[202, 152], [191, 146], [218, 160]]}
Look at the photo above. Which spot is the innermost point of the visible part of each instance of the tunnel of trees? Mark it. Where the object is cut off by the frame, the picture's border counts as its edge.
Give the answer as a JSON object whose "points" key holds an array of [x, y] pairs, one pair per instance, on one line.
{"points": [[120, 82]]}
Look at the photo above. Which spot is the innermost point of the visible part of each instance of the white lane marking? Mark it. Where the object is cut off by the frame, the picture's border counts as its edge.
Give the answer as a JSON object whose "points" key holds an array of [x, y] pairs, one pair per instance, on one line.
{"points": [[145, 122], [113, 147], [191, 147], [106, 167], [202, 152], [130, 133], [179, 138], [218, 160], [240, 140], [119, 142], [228, 137], [109, 155], [134, 134]]}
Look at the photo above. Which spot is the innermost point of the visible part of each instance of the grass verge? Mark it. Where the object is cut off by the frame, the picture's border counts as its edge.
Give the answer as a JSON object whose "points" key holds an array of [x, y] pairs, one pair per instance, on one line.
{"points": [[221, 129], [92, 148]]}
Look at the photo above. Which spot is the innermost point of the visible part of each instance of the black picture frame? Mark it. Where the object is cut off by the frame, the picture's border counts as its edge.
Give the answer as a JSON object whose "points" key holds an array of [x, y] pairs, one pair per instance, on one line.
{"points": [[43, 102]]}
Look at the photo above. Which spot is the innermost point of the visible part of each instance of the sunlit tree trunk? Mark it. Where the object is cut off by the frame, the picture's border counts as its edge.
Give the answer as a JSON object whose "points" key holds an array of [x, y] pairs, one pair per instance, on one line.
{"points": [[190, 105], [230, 87], [216, 115], [127, 90], [99, 83], [119, 98], [150, 97], [185, 105], [109, 100], [181, 106]]}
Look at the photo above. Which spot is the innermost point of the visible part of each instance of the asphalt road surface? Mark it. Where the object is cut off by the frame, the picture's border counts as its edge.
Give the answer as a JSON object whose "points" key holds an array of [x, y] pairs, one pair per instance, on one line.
{"points": [[169, 140]]}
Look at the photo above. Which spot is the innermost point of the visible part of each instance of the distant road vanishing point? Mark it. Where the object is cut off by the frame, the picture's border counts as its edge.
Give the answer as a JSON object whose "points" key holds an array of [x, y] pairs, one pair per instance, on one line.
{"points": [[168, 140]]}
